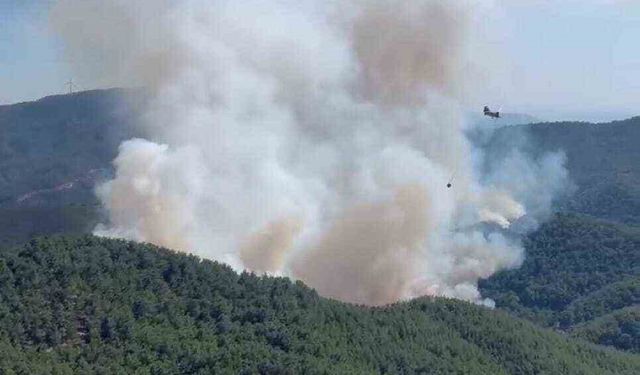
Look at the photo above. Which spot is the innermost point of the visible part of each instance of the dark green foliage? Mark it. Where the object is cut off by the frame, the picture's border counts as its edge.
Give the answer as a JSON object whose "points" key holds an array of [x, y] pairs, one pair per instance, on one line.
{"points": [[607, 200], [620, 329], [79, 305], [577, 269], [610, 298], [567, 258]]}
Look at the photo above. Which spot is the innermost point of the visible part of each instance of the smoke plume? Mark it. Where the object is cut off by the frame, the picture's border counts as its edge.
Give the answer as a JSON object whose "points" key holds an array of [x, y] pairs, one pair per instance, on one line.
{"points": [[309, 139]]}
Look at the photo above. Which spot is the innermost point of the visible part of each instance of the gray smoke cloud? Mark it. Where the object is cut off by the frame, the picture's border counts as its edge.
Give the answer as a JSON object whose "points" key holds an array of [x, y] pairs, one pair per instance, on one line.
{"points": [[308, 139]]}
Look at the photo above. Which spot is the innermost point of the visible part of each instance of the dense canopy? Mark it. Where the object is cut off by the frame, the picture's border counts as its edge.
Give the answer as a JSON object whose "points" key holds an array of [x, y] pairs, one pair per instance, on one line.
{"points": [[108, 306]]}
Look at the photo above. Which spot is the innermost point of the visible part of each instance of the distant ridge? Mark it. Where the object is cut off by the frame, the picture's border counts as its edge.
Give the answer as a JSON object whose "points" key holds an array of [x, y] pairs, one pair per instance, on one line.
{"points": [[61, 138]]}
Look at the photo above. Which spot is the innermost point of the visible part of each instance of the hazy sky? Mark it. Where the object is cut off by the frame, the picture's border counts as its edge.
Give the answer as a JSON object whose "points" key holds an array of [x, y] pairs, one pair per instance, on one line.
{"points": [[562, 58], [573, 57]]}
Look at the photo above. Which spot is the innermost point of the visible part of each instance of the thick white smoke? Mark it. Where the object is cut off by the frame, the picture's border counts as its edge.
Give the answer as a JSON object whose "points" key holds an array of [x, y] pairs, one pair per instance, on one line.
{"points": [[310, 139]]}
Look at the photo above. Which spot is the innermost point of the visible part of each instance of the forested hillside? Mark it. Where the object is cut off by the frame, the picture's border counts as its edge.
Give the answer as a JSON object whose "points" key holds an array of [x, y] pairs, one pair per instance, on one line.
{"points": [[603, 161], [60, 140], [579, 273], [90, 305], [52, 153]]}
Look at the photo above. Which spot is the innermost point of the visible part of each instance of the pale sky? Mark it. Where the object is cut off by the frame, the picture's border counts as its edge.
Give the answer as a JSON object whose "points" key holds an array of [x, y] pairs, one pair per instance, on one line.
{"points": [[563, 59], [571, 58]]}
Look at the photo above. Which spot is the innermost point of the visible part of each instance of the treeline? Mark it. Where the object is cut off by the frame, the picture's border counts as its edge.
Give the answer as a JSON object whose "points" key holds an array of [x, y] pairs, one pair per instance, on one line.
{"points": [[90, 305]]}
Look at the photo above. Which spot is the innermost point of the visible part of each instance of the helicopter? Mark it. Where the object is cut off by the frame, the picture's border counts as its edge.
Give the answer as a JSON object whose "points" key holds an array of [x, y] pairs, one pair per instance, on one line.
{"points": [[487, 112]]}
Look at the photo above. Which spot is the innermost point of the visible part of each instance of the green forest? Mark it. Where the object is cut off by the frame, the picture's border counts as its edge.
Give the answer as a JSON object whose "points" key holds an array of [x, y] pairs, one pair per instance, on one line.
{"points": [[79, 304], [580, 276], [91, 305]]}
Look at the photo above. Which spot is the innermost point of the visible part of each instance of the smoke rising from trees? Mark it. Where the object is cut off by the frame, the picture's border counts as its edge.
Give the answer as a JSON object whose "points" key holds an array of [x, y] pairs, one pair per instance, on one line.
{"points": [[309, 139]]}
